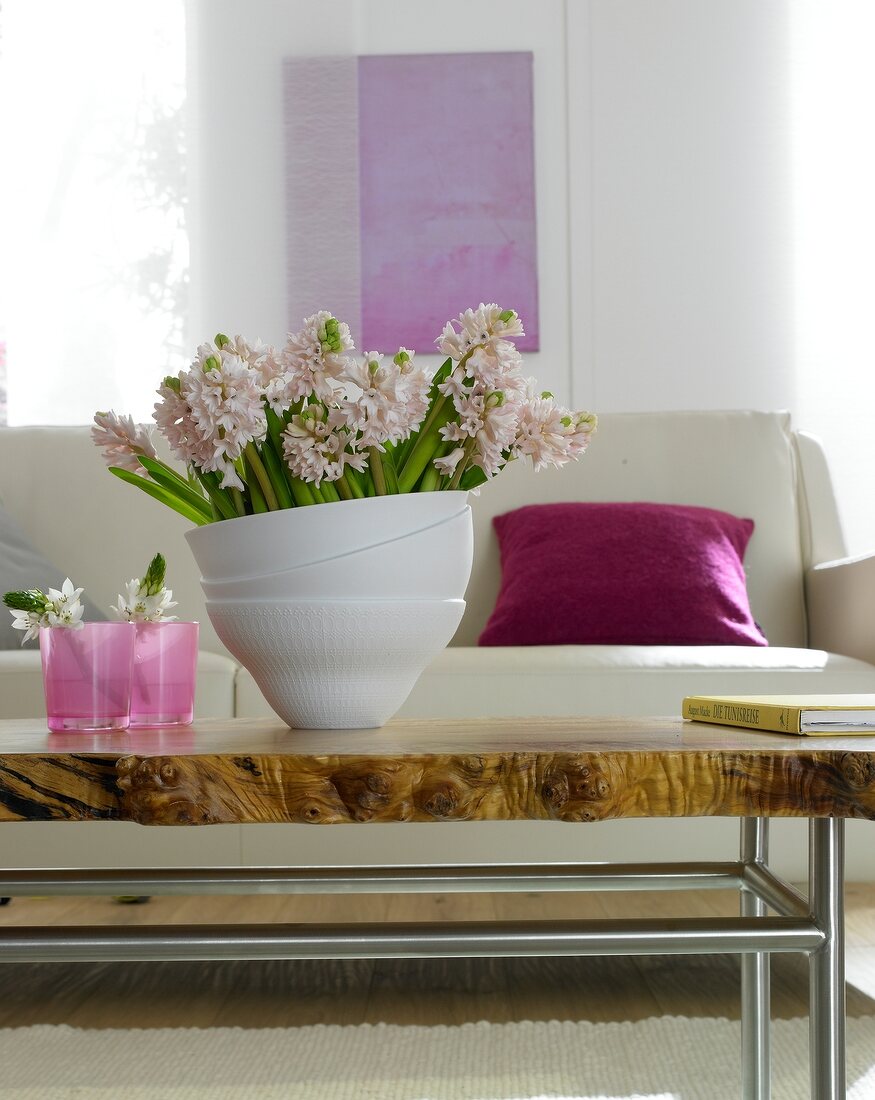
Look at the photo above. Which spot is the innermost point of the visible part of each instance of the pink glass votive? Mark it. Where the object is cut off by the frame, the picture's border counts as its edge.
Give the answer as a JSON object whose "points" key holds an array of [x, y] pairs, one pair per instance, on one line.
{"points": [[87, 676], [165, 668]]}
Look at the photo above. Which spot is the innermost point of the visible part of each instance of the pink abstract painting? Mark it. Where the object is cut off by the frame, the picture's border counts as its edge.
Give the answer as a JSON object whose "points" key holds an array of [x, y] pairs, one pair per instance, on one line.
{"points": [[439, 211]]}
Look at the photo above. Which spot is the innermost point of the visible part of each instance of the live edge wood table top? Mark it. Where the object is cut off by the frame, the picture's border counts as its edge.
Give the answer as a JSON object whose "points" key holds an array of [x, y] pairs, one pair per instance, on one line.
{"points": [[560, 769]]}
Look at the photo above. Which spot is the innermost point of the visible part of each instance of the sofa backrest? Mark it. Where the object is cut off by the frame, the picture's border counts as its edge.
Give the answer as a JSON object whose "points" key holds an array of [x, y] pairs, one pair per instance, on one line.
{"points": [[739, 462], [95, 528], [103, 532]]}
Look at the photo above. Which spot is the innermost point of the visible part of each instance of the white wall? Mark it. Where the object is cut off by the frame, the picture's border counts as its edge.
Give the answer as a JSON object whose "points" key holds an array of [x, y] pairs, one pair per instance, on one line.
{"points": [[662, 160]]}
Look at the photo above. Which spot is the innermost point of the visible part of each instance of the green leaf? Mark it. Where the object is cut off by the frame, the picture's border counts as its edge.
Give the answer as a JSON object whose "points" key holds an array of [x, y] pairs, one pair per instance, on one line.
{"points": [[472, 478], [426, 446], [158, 492], [219, 498], [277, 476], [256, 497], [391, 477], [173, 483], [257, 470]]}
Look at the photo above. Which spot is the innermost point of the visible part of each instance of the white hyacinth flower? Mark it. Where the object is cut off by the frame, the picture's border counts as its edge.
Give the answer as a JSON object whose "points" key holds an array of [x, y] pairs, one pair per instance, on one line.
{"points": [[224, 396], [393, 400], [122, 441], [488, 325], [313, 361], [551, 435], [318, 445]]}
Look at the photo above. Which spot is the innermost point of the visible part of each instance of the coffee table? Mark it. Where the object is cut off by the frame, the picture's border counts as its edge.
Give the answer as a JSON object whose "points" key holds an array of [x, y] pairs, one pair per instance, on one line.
{"points": [[539, 769]]}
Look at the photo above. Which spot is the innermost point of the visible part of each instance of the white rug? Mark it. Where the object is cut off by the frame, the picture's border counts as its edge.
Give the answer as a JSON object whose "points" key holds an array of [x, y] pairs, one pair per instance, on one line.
{"points": [[669, 1058]]}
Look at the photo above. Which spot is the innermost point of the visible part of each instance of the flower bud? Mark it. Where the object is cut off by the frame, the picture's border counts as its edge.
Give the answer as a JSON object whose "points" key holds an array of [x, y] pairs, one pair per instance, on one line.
{"points": [[221, 340]]}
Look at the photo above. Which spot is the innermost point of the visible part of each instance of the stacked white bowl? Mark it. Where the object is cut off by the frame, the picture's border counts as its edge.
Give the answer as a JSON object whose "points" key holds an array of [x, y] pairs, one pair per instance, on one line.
{"points": [[336, 609]]}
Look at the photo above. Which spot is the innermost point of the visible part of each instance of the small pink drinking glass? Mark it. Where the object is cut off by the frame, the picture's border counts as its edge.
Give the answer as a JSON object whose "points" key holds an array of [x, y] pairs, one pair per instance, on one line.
{"points": [[165, 667], [87, 676]]}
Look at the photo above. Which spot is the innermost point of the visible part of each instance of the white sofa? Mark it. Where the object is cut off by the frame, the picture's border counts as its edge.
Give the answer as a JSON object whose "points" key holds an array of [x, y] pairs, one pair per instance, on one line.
{"points": [[811, 602]]}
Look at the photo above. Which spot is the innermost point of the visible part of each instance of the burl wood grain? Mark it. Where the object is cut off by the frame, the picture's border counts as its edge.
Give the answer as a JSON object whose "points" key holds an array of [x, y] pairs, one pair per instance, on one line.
{"points": [[488, 770]]}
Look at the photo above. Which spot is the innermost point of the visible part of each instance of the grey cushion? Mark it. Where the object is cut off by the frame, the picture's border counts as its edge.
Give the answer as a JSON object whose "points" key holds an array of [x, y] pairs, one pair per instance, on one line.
{"points": [[23, 566]]}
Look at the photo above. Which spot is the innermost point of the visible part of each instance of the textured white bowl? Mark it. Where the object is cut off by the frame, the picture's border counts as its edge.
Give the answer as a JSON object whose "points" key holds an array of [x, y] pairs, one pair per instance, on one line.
{"points": [[251, 546], [430, 564], [343, 664]]}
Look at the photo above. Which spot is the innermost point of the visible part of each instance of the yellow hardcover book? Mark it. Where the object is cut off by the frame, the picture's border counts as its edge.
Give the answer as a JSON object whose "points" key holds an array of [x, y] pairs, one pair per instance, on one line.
{"points": [[800, 714]]}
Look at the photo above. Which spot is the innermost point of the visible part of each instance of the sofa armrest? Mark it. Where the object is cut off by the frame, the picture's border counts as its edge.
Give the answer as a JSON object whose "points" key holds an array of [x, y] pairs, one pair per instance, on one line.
{"points": [[840, 597]]}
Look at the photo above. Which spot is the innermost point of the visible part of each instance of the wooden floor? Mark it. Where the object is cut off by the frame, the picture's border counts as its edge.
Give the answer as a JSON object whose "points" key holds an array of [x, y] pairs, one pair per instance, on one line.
{"points": [[284, 994]]}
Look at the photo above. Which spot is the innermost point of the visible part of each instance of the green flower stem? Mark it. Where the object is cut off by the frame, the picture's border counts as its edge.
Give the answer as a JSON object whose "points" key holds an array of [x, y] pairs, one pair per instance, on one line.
{"points": [[343, 488], [354, 479], [158, 492], [255, 464], [463, 462], [239, 502], [426, 445], [375, 464], [430, 481], [402, 450], [301, 491], [318, 496], [275, 470], [329, 493]]}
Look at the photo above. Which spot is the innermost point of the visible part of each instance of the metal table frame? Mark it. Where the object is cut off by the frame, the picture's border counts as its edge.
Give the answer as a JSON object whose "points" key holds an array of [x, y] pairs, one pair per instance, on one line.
{"points": [[814, 926]]}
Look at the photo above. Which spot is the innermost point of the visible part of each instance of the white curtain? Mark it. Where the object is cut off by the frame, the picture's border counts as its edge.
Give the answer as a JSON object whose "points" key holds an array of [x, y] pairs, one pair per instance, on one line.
{"points": [[94, 263]]}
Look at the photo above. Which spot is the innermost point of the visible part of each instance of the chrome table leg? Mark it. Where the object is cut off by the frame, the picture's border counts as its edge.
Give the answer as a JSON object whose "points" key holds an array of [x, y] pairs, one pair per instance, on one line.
{"points": [[755, 1002], [827, 963]]}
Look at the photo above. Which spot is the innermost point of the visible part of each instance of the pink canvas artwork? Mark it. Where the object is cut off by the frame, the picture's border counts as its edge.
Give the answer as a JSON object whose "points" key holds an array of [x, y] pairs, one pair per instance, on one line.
{"points": [[431, 211]]}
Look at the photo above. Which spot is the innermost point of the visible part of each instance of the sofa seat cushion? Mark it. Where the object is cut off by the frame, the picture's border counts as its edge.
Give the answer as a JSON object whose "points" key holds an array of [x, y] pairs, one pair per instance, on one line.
{"points": [[472, 682], [21, 684]]}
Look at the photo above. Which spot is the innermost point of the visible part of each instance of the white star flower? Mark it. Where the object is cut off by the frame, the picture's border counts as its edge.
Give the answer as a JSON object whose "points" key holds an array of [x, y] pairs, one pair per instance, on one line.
{"points": [[30, 622]]}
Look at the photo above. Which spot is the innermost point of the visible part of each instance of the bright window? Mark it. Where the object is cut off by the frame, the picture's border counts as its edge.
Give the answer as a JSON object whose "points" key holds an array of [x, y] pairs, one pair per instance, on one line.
{"points": [[94, 264]]}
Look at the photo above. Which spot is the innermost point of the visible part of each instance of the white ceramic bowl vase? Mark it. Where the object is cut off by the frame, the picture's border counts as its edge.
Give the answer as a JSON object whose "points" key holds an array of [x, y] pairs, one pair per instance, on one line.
{"points": [[431, 564], [336, 609], [253, 546], [336, 665]]}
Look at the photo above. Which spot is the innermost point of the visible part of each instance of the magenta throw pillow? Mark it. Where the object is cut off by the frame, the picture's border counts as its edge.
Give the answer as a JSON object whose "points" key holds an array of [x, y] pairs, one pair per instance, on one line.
{"points": [[621, 574]]}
